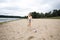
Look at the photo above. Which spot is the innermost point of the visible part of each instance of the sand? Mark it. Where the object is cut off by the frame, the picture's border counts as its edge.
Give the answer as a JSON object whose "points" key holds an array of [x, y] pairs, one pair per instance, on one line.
{"points": [[41, 29]]}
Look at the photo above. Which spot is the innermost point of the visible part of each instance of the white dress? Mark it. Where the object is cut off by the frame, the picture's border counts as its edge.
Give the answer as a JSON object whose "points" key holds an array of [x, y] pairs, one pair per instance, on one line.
{"points": [[29, 18]]}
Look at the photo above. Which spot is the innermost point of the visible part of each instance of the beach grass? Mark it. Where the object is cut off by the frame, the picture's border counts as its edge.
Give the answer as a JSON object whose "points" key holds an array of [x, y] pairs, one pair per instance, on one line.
{"points": [[50, 18], [56, 17]]}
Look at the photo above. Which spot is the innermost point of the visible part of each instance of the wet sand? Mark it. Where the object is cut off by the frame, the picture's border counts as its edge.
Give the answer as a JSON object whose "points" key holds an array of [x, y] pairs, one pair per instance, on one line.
{"points": [[41, 29]]}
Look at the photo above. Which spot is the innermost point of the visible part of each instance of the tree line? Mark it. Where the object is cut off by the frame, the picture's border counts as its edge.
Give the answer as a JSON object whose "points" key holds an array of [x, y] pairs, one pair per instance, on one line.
{"points": [[5, 16], [53, 13]]}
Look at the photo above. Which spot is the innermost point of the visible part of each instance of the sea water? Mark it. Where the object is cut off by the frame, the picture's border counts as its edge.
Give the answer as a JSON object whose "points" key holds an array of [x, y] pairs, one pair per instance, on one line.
{"points": [[7, 19]]}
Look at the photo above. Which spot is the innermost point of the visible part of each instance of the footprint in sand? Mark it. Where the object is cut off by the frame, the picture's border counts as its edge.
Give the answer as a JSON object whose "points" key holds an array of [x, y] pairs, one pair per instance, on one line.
{"points": [[31, 37], [51, 36], [41, 39]]}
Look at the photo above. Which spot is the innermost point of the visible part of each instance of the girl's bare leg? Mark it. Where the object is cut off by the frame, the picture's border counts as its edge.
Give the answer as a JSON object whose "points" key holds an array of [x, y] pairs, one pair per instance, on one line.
{"points": [[29, 24]]}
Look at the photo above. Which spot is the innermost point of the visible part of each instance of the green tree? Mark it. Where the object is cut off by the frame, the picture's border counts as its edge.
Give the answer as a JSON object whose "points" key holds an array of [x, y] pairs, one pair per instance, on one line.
{"points": [[41, 15], [49, 14], [58, 12], [54, 14], [35, 15]]}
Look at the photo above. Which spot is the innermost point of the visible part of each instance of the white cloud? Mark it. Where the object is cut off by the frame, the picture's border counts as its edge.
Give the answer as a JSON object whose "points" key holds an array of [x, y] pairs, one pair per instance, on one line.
{"points": [[23, 7]]}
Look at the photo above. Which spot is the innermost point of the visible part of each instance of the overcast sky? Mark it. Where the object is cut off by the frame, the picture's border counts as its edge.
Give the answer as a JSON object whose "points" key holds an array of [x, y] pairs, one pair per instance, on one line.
{"points": [[23, 7]]}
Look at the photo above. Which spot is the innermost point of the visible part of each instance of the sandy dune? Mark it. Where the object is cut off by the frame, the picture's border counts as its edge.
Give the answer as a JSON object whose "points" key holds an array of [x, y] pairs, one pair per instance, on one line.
{"points": [[41, 29]]}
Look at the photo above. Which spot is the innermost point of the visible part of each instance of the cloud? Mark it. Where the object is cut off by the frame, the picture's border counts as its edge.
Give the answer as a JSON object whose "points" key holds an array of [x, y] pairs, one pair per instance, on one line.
{"points": [[23, 7], [2, 1]]}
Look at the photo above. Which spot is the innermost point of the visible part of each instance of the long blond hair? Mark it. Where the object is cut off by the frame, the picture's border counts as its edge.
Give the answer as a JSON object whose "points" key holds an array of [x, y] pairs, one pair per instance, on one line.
{"points": [[30, 14]]}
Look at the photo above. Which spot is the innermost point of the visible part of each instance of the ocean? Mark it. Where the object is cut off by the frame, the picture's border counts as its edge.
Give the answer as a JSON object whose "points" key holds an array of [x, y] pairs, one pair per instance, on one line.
{"points": [[7, 19]]}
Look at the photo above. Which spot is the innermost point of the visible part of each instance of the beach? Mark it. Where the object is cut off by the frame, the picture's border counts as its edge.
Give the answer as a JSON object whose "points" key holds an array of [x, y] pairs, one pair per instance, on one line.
{"points": [[41, 29]]}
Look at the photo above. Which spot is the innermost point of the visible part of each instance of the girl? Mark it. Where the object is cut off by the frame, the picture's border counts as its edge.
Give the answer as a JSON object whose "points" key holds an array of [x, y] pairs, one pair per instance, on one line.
{"points": [[29, 19]]}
